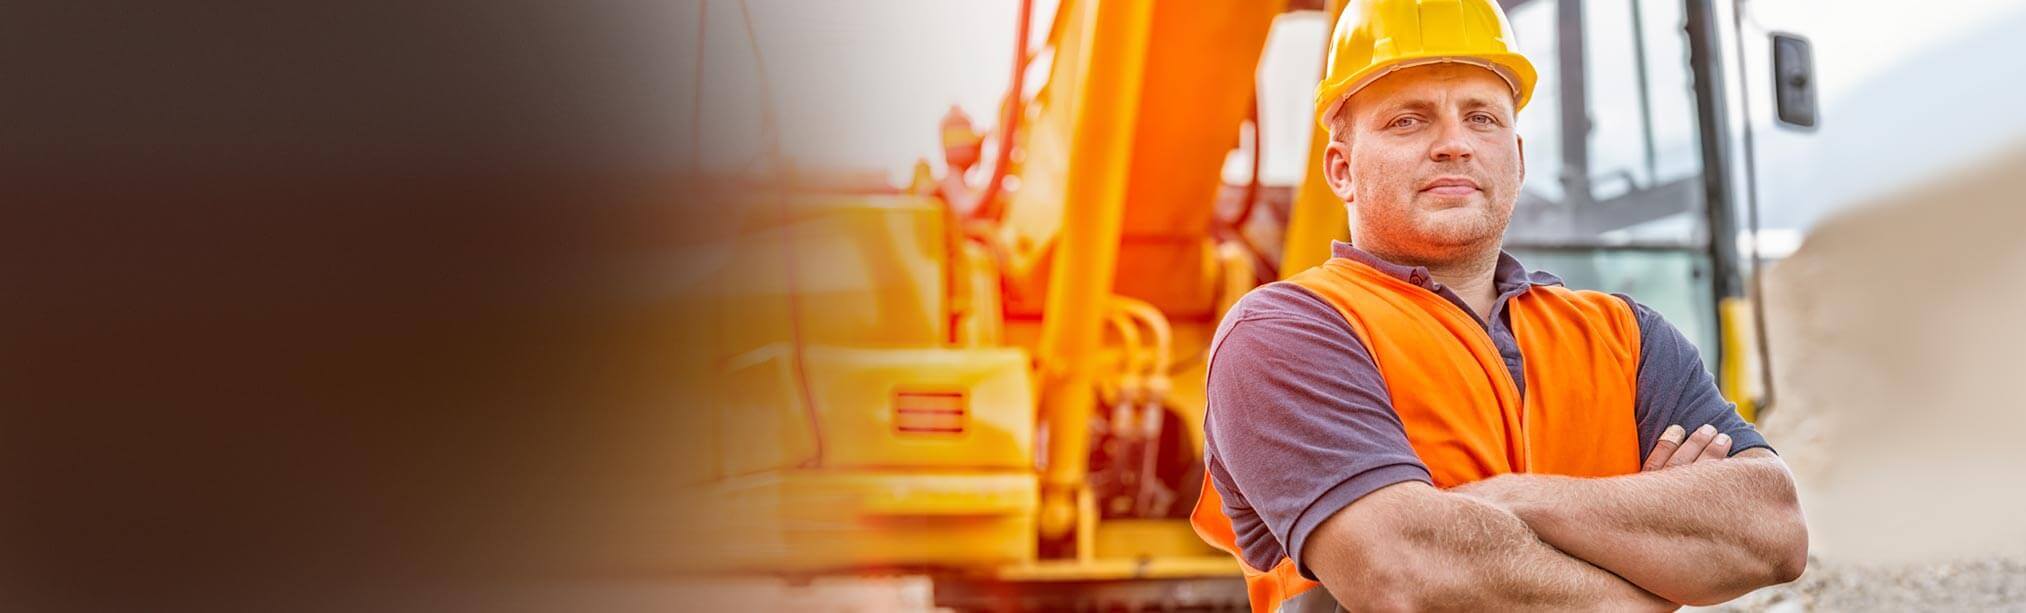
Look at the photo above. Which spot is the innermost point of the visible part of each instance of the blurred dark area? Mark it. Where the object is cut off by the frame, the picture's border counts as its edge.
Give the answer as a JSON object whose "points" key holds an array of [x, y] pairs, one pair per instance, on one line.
{"points": [[342, 306]]}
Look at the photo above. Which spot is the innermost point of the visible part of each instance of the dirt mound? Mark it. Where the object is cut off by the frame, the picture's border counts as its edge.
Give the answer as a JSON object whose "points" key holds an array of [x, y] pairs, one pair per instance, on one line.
{"points": [[1899, 332]]}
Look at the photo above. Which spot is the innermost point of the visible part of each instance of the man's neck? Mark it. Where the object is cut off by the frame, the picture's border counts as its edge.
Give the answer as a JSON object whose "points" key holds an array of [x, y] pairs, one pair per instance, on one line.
{"points": [[1471, 277]]}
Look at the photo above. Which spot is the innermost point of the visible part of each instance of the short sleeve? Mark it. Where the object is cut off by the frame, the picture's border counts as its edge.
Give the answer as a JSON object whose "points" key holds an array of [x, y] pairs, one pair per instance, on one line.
{"points": [[1676, 389], [1299, 423]]}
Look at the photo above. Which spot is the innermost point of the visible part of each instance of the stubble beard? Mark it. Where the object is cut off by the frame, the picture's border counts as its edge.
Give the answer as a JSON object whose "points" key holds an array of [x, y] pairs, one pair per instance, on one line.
{"points": [[1431, 237]]}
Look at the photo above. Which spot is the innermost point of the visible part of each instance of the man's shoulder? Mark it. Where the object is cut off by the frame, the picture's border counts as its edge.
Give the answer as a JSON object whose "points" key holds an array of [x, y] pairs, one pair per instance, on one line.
{"points": [[1649, 319], [1281, 304], [1281, 317], [1590, 296], [1656, 335], [1597, 301], [1277, 299]]}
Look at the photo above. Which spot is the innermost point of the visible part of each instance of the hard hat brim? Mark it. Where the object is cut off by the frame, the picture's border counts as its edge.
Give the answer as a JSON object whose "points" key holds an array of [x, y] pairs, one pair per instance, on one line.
{"points": [[1505, 67]]}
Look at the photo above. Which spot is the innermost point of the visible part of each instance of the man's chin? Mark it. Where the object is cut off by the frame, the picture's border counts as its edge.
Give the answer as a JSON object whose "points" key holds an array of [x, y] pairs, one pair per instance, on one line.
{"points": [[1459, 234], [1444, 209], [1465, 220]]}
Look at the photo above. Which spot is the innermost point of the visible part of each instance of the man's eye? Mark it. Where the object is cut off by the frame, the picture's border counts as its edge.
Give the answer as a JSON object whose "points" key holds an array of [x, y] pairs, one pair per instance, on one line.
{"points": [[1483, 119], [1402, 122]]}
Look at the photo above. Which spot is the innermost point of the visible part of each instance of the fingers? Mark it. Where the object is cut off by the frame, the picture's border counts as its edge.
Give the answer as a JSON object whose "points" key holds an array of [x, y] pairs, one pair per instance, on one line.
{"points": [[1719, 448], [1693, 447], [1664, 448], [1673, 449]]}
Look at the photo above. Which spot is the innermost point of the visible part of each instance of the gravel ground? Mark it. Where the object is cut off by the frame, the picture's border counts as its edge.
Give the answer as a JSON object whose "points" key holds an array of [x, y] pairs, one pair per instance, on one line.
{"points": [[1990, 584]]}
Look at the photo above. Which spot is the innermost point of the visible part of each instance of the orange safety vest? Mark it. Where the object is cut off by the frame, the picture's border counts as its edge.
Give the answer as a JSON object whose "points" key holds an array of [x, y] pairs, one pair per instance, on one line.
{"points": [[1463, 415]]}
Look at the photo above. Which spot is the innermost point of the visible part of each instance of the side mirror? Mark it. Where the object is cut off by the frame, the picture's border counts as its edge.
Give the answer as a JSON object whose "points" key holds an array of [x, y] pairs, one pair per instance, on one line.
{"points": [[1794, 80]]}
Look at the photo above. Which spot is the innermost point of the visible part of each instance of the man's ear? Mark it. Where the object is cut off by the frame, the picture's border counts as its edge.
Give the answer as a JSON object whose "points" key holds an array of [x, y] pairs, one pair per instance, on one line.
{"points": [[1523, 155], [1337, 169]]}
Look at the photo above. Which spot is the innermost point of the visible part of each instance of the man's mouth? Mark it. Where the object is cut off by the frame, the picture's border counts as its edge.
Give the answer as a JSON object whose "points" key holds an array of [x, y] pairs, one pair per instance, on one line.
{"points": [[1451, 186]]}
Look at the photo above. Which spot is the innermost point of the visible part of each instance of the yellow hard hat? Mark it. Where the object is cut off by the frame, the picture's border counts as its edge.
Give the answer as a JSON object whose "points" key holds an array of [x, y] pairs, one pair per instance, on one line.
{"points": [[1377, 37]]}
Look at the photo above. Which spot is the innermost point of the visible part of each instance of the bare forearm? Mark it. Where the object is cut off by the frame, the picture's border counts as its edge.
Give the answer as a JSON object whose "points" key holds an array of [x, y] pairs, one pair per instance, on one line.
{"points": [[1696, 534], [1492, 561], [1455, 552]]}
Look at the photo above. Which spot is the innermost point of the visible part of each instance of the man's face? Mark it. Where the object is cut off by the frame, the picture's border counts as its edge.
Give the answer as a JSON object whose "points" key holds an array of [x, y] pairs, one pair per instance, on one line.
{"points": [[1428, 162]]}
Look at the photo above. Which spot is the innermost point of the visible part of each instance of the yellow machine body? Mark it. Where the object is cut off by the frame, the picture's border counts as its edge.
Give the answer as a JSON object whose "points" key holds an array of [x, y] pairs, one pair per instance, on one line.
{"points": [[894, 394]]}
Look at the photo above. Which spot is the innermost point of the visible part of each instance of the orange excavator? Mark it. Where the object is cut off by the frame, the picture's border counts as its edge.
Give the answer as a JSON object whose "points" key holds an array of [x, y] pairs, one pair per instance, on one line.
{"points": [[993, 378]]}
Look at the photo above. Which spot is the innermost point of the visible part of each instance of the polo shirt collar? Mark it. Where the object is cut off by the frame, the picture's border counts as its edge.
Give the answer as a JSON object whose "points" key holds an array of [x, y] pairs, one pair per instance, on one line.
{"points": [[1508, 277]]}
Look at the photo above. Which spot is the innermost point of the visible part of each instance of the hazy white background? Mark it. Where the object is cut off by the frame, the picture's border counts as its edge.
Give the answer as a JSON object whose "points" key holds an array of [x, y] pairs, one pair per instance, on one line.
{"points": [[1908, 89]]}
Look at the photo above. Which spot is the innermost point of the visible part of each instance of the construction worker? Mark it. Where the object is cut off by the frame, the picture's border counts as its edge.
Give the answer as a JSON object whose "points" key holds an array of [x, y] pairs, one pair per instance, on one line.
{"points": [[1421, 422]]}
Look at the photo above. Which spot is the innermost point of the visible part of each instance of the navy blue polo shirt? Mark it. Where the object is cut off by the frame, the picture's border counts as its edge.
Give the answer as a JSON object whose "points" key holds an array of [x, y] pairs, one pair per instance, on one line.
{"points": [[1300, 424]]}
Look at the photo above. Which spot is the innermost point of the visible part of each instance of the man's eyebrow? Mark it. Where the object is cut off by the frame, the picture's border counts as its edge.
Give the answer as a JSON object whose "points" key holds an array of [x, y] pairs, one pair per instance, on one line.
{"points": [[1424, 105], [1474, 102], [1411, 104], [1479, 102]]}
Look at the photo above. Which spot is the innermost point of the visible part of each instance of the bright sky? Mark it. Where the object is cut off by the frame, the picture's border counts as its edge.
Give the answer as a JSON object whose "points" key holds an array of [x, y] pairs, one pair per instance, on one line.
{"points": [[859, 85], [862, 85]]}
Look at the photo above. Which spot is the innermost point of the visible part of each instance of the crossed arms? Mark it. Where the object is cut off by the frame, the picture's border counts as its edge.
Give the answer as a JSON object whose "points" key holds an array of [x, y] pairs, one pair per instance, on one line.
{"points": [[1313, 463], [1694, 527]]}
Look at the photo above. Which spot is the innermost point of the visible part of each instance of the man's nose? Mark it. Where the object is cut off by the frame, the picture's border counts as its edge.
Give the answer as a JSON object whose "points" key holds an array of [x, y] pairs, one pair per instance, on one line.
{"points": [[1452, 143]]}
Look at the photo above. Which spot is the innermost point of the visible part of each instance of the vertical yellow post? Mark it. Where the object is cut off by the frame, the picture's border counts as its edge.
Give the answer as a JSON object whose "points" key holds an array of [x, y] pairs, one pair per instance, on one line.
{"points": [[1740, 349], [1317, 216], [1086, 252]]}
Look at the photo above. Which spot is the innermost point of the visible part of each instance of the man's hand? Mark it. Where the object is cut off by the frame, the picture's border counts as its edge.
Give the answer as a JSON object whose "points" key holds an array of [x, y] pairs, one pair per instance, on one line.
{"points": [[1745, 531], [1671, 451], [1668, 452]]}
